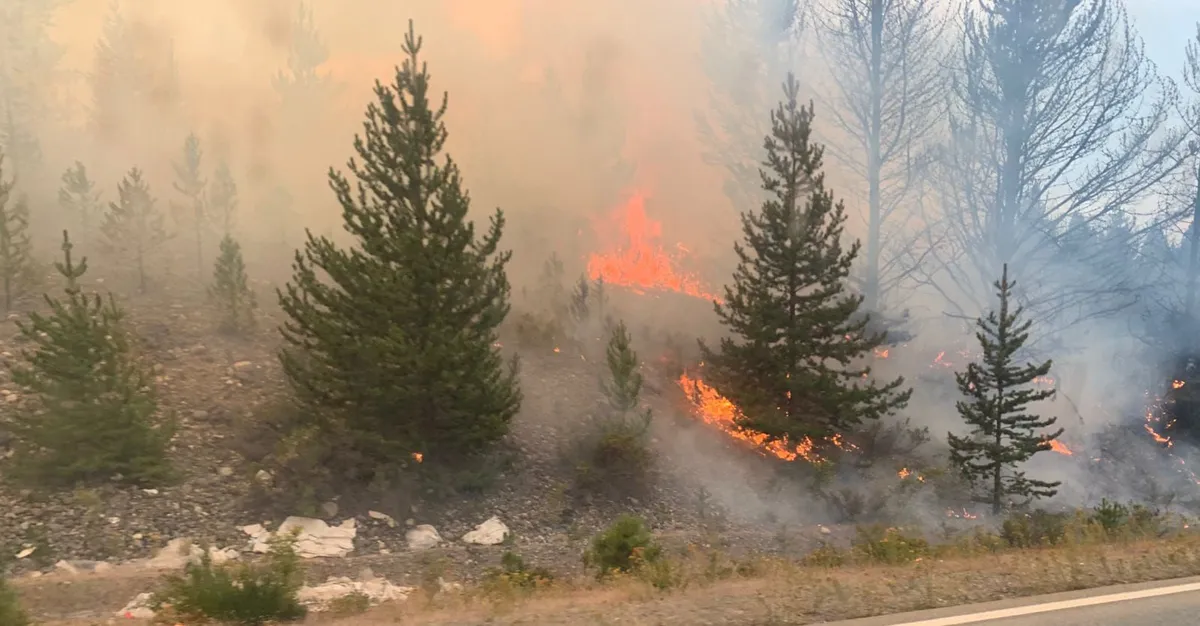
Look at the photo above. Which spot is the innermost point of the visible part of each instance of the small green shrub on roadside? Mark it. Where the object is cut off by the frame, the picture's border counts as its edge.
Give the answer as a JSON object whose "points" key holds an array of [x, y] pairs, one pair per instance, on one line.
{"points": [[350, 604], [825, 556], [241, 594], [623, 547], [1036, 528], [11, 613], [1132, 520], [515, 573], [888, 546]]}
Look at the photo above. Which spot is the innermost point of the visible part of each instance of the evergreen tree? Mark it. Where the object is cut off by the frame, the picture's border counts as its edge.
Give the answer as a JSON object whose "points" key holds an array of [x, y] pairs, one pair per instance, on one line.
{"points": [[95, 413], [998, 391], [133, 226], [79, 197], [796, 330], [193, 213], [231, 289], [223, 198], [623, 386], [16, 262], [397, 333]]}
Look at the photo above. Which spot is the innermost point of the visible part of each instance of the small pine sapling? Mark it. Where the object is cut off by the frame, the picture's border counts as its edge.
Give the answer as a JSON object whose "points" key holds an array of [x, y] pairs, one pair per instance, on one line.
{"points": [[133, 226], [998, 391], [223, 198], [231, 290], [16, 262], [623, 384], [94, 411], [79, 197], [193, 212]]}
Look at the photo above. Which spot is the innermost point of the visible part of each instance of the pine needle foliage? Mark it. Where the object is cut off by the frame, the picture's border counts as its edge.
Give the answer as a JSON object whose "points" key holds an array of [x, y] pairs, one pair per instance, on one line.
{"points": [[231, 291], [998, 393], [133, 226], [79, 198], [94, 405], [794, 359], [16, 260], [394, 339]]}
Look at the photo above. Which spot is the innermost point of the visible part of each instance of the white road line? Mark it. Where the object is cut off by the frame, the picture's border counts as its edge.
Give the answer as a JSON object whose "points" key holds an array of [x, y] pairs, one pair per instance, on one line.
{"points": [[1033, 609]]}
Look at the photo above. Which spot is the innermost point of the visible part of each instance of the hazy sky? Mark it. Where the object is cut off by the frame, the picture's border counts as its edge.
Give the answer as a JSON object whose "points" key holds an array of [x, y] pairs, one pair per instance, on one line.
{"points": [[1166, 26]]}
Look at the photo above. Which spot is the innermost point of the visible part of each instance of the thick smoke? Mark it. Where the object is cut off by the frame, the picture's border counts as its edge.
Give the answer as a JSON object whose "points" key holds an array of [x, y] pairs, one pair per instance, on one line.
{"points": [[560, 111]]}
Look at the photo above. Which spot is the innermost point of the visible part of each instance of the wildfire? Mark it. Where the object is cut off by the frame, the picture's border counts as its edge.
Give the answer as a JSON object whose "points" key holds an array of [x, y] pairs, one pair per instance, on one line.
{"points": [[1060, 447], [965, 514], [418, 457], [716, 410], [882, 353], [1177, 384], [642, 264]]}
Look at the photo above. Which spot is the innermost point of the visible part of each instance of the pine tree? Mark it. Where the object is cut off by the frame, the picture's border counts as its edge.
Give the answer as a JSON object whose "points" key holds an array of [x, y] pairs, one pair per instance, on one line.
{"points": [[133, 226], [95, 406], [1002, 434], [223, 198], [396, 334], [231, 289], [78, 196], [16, 262], [623, 387], [193, 213], [796, 330]]}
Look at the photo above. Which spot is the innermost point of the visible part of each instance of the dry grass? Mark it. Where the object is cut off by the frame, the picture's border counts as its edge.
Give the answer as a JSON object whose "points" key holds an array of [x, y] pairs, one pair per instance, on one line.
{"points": [[771, 592], [886, 570]]}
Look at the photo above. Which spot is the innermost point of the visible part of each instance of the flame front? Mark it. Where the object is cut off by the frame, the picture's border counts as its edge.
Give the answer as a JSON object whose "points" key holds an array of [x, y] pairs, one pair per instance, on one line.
{"points": [[718, 411], [640, 263], [1060, 447]]}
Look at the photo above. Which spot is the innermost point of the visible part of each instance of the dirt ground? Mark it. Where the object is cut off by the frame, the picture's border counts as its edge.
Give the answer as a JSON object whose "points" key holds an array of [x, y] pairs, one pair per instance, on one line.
{"points": [[775, 594]]}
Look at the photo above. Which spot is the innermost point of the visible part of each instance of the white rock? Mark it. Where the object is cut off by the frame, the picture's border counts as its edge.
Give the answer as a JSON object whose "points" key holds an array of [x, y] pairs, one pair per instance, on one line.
{"points": [[383, 517], [422, 537], [138, 607], [66, 568], [26, 552], [378, 590], [490, 533], [181, 551], [824, 530], [316, 538]]}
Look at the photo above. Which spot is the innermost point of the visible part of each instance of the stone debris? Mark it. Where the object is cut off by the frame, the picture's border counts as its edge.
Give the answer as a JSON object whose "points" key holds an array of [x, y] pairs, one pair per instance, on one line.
{"points": [[490, 533], [138, 607], [383, 517], [181, 551], [316, 538], [422, 537], [377, 590]]}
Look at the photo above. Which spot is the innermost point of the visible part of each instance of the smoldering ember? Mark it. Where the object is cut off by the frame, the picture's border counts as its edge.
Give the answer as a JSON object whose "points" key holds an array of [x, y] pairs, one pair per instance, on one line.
{"points": [[526, 311]]}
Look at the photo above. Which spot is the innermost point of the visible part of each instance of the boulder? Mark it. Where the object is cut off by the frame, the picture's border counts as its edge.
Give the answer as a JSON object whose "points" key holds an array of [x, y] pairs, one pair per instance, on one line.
{"points": [[378, 590], [490, 533], [422, 537], [316, 538]]}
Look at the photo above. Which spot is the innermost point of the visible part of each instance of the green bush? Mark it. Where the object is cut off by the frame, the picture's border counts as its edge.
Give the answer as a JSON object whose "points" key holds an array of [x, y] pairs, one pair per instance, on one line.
{"points": [[1037, 528], [889, 546], [623, 547], [242, 594], [515, 573], [11, 613], [1116, 519]]}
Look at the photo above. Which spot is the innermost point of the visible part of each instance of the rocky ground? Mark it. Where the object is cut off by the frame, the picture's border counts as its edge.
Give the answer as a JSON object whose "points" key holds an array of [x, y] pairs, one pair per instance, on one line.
{"points": [[220, 387]]}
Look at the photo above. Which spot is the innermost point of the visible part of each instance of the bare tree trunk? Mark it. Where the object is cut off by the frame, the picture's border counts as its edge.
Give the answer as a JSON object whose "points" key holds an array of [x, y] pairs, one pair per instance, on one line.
{"points": [[874, 158]]}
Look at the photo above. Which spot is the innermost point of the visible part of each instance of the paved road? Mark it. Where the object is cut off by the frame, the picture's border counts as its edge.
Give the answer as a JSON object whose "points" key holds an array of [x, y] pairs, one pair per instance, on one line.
{"points": [[1166, 603]]}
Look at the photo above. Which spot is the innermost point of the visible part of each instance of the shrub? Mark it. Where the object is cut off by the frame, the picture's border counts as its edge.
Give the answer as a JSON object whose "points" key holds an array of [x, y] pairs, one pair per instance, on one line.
{"points": [[11, 613], [515, 573], [889, 546], [242, 594], [622, 547], [825, 556], [1037, 528]]}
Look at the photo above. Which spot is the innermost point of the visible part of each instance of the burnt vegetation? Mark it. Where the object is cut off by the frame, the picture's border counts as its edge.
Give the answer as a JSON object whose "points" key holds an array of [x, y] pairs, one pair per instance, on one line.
{"points": [[416, 364]]}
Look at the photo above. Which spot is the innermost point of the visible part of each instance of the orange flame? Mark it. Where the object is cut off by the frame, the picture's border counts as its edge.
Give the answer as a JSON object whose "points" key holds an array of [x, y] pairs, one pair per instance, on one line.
{"points": [[717, 410], [1176, 384], [418, 457], [1060, 447], [642, 265]]}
